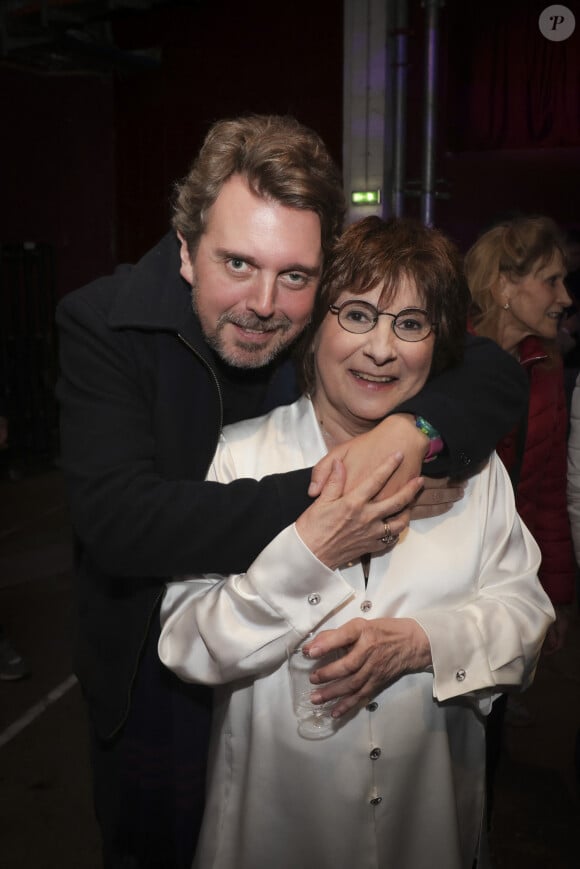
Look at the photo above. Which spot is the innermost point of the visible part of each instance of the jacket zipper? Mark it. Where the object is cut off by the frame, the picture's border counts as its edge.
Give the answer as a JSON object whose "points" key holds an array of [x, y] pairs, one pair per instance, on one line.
{"points": [[206, 364], [531, 359]]}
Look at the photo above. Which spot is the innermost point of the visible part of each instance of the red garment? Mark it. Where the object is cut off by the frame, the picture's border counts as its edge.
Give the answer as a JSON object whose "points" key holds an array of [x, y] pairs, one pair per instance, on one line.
{"points": [[541, 492]]}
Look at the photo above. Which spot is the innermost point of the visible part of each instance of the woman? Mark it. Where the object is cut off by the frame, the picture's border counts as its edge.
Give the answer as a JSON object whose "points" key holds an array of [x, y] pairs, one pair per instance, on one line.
{"points": [[516, 272], [429, 628]]}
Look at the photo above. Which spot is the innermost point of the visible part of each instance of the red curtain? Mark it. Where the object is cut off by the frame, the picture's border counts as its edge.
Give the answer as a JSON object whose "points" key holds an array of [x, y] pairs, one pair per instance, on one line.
{"points": [[509, 86]]}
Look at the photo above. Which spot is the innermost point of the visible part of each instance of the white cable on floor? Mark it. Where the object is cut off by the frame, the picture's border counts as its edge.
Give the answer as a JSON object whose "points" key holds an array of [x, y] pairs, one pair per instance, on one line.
{"points": [[35, 711]]}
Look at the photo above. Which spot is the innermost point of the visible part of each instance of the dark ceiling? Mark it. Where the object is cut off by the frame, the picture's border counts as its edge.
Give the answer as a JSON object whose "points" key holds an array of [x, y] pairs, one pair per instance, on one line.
{"points": [[74, 36]]}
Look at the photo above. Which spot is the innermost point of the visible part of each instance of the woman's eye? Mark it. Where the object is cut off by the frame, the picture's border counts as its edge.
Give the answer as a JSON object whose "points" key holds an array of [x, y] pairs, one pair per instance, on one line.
{"points": [[358, 315], [410, 324]]}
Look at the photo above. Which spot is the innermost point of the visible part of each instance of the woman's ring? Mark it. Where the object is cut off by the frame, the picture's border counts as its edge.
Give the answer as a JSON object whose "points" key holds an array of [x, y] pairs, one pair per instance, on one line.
{"points": [[388, 537]]}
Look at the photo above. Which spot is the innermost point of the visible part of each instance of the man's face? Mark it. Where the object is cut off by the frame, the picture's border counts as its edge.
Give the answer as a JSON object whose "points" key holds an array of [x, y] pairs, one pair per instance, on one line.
{"points": [[254, 275]]}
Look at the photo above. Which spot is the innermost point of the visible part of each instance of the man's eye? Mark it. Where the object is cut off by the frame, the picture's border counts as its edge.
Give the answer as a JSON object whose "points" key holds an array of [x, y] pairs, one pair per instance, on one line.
{"points": [[296, 280], [237, 265]]}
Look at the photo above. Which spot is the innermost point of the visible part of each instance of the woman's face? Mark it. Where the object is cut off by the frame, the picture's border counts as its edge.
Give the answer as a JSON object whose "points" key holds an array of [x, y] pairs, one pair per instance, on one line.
{"points": [[361, 378], [537, 301]]}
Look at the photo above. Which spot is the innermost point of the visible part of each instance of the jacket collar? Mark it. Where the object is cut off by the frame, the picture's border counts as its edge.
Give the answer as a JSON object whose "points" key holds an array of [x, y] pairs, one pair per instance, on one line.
{"points": [[532, 349], [154, 297]]}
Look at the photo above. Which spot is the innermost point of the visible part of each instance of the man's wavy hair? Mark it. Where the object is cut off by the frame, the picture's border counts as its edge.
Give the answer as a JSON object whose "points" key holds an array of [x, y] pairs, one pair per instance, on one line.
{"points": [[376, 252], [281, 160]]}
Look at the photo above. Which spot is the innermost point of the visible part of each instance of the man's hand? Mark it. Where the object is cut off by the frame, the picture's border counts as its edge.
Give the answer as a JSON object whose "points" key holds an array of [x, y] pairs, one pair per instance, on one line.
{"points": [[378, 651], [362, 455], [437, 497], [340, 526], [556, 634]]}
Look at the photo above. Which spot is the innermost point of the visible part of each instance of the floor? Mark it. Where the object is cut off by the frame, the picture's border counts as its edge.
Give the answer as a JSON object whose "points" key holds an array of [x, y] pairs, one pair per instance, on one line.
{"points": [[46, 818]]}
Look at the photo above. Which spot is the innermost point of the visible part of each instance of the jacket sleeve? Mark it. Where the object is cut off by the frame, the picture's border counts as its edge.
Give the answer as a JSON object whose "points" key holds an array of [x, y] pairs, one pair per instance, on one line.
{"points": [[217, 630], [574, 470], [494, 639], [131, 520], [552, 524], [472, 405]]}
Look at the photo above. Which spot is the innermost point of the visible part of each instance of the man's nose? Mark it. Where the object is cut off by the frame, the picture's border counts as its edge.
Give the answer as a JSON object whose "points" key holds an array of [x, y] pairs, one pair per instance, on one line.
{"points": [[262, 297]]}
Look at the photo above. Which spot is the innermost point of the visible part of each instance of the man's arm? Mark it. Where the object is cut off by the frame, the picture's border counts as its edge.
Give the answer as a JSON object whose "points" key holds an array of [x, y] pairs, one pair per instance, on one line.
{"points": [[471, 405], [130, 518], [218, 629]]}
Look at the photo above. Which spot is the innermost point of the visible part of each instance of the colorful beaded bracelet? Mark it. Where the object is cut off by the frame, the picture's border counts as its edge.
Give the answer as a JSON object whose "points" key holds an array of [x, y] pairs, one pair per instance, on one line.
{"points": [[435, 440]]}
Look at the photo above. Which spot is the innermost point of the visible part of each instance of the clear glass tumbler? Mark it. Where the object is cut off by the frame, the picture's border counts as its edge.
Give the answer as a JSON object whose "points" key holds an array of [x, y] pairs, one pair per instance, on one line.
{"points": [[314, 720]]}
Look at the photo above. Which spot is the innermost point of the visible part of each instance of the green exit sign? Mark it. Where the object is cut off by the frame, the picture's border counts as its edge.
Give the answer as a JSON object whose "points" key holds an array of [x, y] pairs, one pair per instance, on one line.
{"points": [[366, 197]]}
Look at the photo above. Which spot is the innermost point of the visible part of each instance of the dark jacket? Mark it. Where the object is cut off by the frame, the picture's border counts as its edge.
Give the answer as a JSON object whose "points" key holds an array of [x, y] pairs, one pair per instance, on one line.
{"points": [[541, 490], [140, 417]]}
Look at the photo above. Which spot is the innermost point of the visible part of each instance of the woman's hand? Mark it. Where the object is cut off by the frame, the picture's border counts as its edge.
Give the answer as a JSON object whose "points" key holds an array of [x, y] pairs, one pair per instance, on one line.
{"points": [[362, 454], [341, 526], [378, 651]]}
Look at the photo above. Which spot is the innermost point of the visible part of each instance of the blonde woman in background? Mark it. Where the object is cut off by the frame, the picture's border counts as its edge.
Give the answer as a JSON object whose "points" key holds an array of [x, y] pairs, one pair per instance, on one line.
{"points": [[515, 273]]}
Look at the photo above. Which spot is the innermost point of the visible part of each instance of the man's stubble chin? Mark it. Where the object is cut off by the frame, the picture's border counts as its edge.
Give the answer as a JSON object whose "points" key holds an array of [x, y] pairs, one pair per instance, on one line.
{"points": [[241, 355]]}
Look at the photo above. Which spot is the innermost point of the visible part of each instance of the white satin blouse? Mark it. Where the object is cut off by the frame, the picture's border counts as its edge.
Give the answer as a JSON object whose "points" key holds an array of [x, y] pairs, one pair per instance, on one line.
{"points": [[401, 782]]}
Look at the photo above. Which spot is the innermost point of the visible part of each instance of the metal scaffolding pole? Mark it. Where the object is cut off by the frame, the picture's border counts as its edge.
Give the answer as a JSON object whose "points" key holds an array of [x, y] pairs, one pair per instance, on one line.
{"points": [[430, 110], [401, 34]]}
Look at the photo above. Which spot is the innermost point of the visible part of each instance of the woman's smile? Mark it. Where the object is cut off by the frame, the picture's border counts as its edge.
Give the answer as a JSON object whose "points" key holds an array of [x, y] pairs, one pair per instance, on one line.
{"points": [[373, 379]]}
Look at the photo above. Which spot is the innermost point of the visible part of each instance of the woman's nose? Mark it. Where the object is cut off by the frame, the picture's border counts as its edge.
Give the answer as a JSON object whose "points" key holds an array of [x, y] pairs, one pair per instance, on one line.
{"points": [[381, 343], [564, 297]]}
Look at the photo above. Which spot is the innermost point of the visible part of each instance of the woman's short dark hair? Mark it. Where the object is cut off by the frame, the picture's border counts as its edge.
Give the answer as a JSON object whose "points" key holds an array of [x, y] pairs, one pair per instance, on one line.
{"points": [[377, 252], [280, 158]]}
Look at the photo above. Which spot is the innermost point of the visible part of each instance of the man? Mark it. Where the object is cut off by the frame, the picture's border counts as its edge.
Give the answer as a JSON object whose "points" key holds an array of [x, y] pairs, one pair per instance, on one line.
{"points": [[155, 359]]}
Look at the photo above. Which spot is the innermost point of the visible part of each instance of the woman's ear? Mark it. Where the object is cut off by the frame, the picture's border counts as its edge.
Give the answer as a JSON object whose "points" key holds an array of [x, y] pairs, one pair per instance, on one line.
{"points": [[502, 291]]}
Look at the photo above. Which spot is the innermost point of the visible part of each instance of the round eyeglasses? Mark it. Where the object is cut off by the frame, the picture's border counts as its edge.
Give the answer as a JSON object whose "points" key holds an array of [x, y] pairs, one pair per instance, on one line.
{"points": [[410, 324]]}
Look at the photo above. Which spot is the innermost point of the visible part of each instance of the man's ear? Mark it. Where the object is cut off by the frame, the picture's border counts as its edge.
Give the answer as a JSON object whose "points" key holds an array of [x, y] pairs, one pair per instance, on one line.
{"points": [[186, 271]]}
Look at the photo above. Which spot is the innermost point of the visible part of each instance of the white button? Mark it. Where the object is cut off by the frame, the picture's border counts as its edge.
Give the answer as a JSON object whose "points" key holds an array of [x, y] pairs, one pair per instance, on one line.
{"points": [[376, 801], [460, 675], [366, 605], [314, 598], [375, 753]]}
